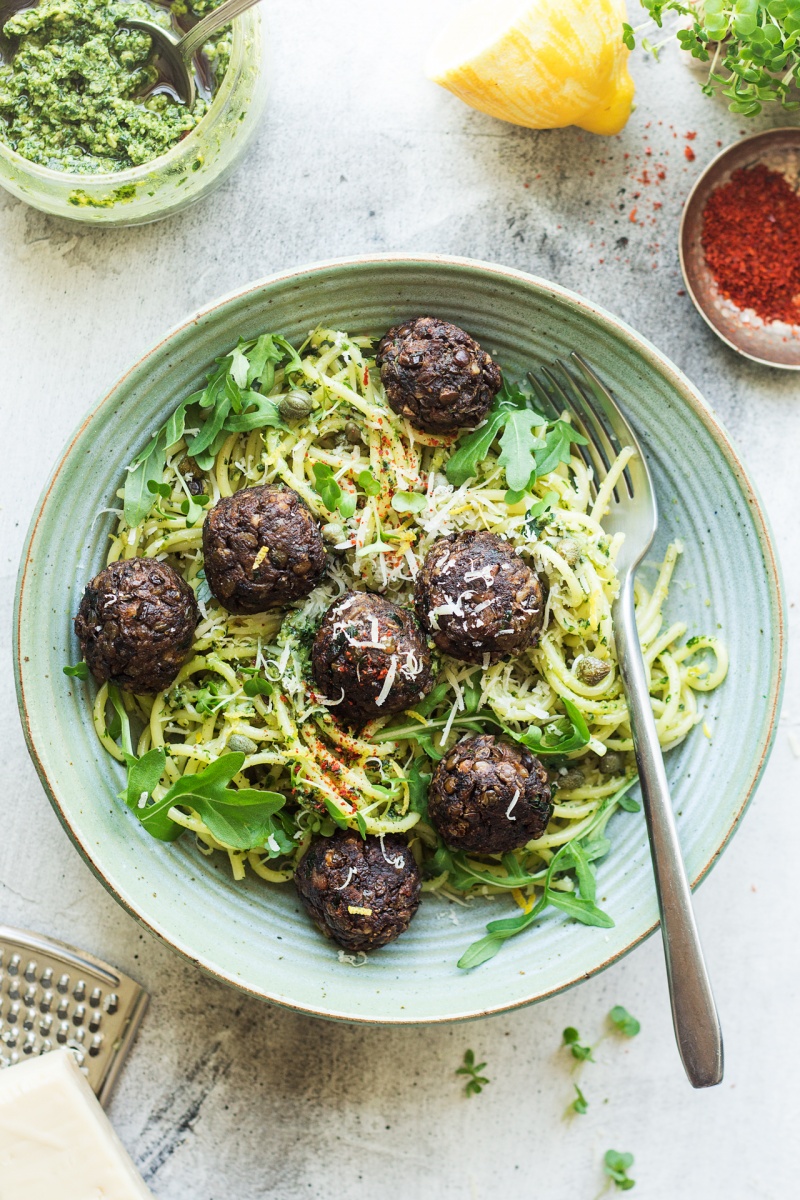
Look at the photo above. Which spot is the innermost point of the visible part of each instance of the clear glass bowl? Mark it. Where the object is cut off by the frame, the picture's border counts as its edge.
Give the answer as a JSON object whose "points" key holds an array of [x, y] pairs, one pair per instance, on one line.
{"points": [[190, 170]]}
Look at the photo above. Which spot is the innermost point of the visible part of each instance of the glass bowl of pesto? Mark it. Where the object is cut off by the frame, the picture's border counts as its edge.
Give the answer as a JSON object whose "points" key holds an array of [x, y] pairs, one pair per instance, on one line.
{"points": [[90, 131]]}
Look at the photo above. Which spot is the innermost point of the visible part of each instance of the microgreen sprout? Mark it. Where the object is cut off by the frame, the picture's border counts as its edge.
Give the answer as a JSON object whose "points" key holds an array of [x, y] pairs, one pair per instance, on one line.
{"points": [[572, 1041], [615, 1165], [580, 1104], [751, 46], [78, 671], [475, 1081], [623, 1022]]}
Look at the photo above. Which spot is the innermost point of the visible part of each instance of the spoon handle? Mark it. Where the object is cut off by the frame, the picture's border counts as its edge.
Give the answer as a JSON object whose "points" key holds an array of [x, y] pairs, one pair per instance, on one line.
{"points": [[199, 34], [694, 1014]]}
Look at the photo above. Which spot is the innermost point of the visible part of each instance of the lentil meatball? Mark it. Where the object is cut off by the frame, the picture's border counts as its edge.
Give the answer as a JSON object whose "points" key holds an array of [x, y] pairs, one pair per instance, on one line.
{"points": [[363, 894], [477, 598], [364, 640], [488, 796], [437, 375], [135, 624], [262, 548]]}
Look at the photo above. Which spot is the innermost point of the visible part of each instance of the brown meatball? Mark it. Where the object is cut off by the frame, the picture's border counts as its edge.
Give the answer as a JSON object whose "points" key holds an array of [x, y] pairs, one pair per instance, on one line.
{"points": [[488, 796], [363, 639], [476, 597], [363, 894], [437, 375], [262, 548], [135, 624]]}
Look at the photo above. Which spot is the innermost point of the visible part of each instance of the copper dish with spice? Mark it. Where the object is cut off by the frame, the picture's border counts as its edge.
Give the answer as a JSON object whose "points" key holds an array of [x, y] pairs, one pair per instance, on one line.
{"points": [[740, 247]]}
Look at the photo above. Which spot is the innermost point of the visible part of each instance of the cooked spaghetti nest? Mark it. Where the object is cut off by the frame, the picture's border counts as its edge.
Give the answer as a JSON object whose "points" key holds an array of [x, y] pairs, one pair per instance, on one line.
{"points": [[292, 743]]}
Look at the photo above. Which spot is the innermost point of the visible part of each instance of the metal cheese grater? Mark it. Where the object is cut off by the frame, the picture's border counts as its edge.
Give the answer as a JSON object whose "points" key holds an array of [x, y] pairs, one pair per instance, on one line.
{"points": [[53, 995]]}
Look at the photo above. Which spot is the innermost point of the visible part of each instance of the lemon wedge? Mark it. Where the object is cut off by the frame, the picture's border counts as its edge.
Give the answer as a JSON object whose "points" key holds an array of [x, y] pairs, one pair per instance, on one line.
{"points": [[539, 63]]}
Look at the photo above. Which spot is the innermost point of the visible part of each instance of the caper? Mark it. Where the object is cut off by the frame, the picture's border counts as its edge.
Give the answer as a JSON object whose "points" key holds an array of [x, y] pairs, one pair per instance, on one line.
{"points": [[572, 779], [569, 551], [295, 405], [592, 671], [353, 434], [240, 744], [612, 763]]}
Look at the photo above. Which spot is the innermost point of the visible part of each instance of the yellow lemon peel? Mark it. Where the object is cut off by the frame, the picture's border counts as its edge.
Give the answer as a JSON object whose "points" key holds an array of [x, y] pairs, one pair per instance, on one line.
{"points": [[543, 64]]}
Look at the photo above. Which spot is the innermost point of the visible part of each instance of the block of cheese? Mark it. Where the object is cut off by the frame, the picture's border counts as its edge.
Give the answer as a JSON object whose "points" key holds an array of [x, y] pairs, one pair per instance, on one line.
{"points": [[55, 1139]]}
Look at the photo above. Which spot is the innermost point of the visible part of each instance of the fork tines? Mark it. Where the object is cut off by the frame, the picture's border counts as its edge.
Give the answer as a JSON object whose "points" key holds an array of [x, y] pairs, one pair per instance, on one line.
{"points": [[575, 389]]}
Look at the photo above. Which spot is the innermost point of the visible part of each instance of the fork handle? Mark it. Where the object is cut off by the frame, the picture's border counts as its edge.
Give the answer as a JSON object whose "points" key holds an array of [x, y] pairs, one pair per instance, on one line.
{"points": [[694, 1014]]}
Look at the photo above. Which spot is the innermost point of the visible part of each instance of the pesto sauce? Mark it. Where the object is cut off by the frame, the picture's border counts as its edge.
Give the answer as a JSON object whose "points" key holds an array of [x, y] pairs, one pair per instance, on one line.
{"points": [[76, 89]]}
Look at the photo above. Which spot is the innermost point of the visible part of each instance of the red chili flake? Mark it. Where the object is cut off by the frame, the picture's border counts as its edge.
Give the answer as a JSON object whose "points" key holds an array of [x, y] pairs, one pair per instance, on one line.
{"points": [[751, 239], [648, 151], [632, 215], [689, 153], [657, 204], [690, 136], [681, 292], [366, 377], [661, 172]]}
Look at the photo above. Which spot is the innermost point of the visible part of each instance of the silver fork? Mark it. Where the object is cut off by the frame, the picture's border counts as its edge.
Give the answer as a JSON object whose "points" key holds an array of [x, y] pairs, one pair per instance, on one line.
{"points": [[632, 511]]}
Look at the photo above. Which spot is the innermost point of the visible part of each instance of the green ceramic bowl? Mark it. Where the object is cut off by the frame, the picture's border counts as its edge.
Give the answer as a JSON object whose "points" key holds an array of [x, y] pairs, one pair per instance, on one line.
{"points": [[254, 935]]}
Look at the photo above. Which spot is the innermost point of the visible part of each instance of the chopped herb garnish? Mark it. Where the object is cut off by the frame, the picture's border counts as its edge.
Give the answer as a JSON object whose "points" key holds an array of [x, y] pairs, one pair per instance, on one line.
{"points": [[475, 1081]]}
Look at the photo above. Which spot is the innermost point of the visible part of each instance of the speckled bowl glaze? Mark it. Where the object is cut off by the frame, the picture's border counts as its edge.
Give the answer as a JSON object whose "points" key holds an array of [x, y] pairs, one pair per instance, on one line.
{"points": [[254, 935]]}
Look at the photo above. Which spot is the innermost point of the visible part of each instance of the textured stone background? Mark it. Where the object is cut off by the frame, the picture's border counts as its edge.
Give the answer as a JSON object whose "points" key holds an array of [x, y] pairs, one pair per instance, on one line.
{"points": [[223, 1096]]}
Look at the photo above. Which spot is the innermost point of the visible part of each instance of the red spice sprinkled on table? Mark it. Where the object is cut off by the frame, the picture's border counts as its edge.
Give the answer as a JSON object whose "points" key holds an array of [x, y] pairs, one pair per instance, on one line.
{"points": [[751, 239], [689, 152], [691, 136]]}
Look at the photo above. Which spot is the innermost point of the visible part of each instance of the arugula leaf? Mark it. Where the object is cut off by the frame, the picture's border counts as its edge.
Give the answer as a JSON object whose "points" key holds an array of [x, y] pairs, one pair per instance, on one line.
{"points": [[623, 1022], [556, 449], [517, 446], [630, 804], [418, 782], [239, 818], [256, 412], [559, 737], [79, 671], [581, 910], [147, 468], [616, 1167], [463, 465], [362, 825], [335, 813]]}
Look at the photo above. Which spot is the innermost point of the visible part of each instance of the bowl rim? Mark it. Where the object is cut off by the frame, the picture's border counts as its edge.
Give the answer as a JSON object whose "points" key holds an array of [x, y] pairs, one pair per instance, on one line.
{"points": [[763, 135], [634, 340]]}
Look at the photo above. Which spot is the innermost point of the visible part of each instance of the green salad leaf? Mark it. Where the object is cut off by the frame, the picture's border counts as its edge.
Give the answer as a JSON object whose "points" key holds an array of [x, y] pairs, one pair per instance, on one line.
{"points": [[241, 818], [234, 400]]}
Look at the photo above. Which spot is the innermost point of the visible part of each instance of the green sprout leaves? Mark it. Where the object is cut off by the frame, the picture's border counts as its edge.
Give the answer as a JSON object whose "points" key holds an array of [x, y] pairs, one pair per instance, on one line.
{"points": [[330, 493], [623, 1022], [752, 47], [78, 671], [580, 1104], [472, 1070], [572, 1040], [616, 1166]]}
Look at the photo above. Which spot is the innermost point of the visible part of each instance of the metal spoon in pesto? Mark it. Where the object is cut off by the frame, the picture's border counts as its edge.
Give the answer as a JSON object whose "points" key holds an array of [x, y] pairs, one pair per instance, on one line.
{"points": [[177, 53]]}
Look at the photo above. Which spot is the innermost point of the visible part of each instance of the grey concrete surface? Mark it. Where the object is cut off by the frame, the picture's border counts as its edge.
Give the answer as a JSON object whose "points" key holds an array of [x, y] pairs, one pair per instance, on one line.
{"points": [[224, 1096]]}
